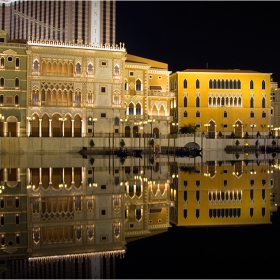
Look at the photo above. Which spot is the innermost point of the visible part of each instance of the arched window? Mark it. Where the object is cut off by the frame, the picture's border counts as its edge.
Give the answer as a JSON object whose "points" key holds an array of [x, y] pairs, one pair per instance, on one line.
{"points": [[2, 82], [239, 101], [210, 84], [251, 102], [138, 85], [223, 101], [263, 102], [197, 102], [78, 68], [138, 109], [125, 85], [116, 100], [2, 62], [219, 84], [210, 101], [238, 84], [215, 84], [185, 84], [263, 84], [131, 109], [251, 84], [16, 100], [197, 84], [223, 84], [16, 82], [234, 84], [17, 62], [90, 69], [226, 83], [117, 121], [36, 66], [197, 114], [230, 84], [185, 102], [117, 70], [185, 114]]}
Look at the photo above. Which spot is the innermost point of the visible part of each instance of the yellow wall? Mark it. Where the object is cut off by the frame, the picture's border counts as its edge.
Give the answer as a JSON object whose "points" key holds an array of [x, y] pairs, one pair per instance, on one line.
{"points": [[208, 113]]}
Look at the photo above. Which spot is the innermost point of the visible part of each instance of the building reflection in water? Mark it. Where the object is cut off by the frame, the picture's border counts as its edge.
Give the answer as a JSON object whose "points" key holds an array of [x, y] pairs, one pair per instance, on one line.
{"points": [[73, 221]]}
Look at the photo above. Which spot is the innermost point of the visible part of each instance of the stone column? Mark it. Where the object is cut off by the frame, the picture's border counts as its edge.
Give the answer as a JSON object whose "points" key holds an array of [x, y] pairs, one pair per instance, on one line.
{"points": [[40, 127], [72, 127], [50, 127]]}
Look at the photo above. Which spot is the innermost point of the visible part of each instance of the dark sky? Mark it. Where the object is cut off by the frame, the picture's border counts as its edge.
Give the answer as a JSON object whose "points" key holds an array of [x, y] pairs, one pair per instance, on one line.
{"points": [[190, 34]]}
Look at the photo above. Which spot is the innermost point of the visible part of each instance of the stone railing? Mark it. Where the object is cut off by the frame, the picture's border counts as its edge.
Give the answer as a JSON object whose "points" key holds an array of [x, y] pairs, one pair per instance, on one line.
{"points": [[54, 43]]}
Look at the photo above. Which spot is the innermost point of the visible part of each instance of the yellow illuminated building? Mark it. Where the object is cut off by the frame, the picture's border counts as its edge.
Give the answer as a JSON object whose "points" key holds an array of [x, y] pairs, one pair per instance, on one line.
{"points": [[222, 102], [222, 193]]}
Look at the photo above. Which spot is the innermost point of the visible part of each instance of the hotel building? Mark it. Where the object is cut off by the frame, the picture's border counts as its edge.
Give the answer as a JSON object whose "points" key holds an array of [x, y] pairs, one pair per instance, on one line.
{"points": [[79, 22]]}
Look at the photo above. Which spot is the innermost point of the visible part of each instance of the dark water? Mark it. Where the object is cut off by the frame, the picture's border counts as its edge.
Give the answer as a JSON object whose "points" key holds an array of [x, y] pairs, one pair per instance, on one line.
{"points": [[212, 252]]}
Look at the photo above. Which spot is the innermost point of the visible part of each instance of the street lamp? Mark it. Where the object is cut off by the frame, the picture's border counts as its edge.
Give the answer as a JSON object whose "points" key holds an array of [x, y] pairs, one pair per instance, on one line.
{"points": [[123, 121], [175, 125], [207, 125], [2, 187], [253, 126], [30, 119], [151, 121], [62, 121], [270, 126], [30, 185], [93, 120]]}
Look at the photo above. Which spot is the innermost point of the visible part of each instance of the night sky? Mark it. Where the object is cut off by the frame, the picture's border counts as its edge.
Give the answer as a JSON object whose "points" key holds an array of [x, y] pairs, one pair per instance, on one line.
{"points": [[184, 34]]}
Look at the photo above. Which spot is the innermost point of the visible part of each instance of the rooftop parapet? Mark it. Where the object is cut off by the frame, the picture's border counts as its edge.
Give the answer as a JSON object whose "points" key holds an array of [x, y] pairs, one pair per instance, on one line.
{"points": [[54, 43]]}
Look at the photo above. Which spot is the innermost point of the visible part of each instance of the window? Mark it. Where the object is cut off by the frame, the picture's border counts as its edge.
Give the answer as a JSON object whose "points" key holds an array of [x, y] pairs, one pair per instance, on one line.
{"points": [[252, 115], [78, 68], [263, 84], [16, 82], [17, 219], [10, 59], [185, 213], [2, 62], [251, 102], [2, 220], [210, 84], [238, 84], [197, 84], [185, 114], [117, 121], [197, 183], [225, 183], [103, 63], [1, 99], [263, 114], [131, 73], [138, 109], [90, 69], [138, 85], [185, 84], [197, 213], [185, 102], [263, 102], [2, 82], [16, 100], [117, 70], [103, 212], [251, 84], [103, 89], [251, 212], [116, 99], [36, 66], [17, 62], [197, 102], [197, 114], [103, 115], [131, 109], [159, 77]]}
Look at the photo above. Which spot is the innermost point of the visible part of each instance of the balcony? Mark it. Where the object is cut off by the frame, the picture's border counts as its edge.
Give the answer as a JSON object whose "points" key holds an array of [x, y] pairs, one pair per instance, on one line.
{"points": [[56, 104], [161, 94]]}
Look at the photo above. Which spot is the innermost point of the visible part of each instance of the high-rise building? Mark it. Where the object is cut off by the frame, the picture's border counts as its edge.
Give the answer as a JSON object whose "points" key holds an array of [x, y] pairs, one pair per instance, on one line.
{"points": [[85, 22]]}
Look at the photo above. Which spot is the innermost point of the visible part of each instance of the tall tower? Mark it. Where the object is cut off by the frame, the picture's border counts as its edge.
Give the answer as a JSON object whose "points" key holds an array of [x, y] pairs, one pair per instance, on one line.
{"points": [[85, 22]]}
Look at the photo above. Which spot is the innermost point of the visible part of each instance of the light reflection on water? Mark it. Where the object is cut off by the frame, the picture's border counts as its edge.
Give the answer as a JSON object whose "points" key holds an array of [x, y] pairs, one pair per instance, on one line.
{"points": [[64, 216]]}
